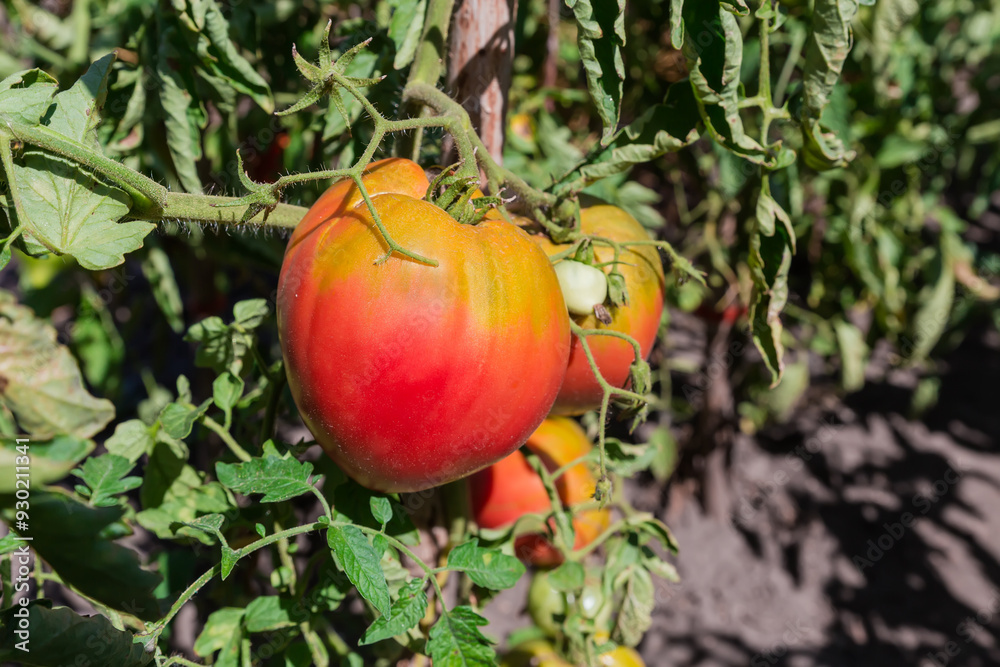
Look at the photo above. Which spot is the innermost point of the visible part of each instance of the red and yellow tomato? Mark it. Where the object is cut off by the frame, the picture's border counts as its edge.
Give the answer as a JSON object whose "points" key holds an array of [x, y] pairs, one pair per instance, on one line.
{"points": [[640, 318], [509, 489], [410, 375]]}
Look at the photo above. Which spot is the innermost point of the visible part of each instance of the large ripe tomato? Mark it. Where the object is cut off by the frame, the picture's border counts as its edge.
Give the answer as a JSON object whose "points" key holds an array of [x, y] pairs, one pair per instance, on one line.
{"points": [[410, 375], [640, 318], [508, 490]]}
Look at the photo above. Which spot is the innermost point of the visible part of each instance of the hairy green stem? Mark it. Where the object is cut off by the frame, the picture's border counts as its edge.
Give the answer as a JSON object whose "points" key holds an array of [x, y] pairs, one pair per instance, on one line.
{"points": [[208, 209], [606, 386], [468, 143], [145, 192], [157, 628], [564, 545]]}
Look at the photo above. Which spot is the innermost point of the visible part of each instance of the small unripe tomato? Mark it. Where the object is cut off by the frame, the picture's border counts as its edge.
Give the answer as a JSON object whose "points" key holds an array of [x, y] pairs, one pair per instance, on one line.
{"points": [[583, 286], [410, 375], [639, 318], [545, 603], [509, 489]]}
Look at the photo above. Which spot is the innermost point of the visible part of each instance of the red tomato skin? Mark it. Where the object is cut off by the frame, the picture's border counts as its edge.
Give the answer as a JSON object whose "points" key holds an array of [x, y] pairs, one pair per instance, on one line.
{"points": [[640, 318], [509, 489], [411, 376]]}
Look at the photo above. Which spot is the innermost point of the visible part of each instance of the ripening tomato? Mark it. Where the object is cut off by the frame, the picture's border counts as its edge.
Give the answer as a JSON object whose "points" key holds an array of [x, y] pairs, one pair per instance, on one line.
{"points": [[533, 653], [509, 489], [622, 656], [410, 375], [640, 318]]}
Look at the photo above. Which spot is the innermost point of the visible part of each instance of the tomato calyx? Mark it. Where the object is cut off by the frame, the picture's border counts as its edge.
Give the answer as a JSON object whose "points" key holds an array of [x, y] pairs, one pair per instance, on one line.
{"points": [[457, 196]]}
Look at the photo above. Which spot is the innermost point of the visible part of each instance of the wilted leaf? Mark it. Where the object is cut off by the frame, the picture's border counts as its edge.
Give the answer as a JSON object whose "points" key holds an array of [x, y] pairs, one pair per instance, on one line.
{"points": [[67, 535], [600, 37], [40, 381], [50, 461], [61, 637], [635, 614], [827, 47]]}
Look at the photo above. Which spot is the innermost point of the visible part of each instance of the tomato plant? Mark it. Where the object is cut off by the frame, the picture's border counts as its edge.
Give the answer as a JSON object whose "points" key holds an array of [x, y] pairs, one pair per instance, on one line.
{"points": [[301, 297], [510, 489], [387, 360], [637, 314]]}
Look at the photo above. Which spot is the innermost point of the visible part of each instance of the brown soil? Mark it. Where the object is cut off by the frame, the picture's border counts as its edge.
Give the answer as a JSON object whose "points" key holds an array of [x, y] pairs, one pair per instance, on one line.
{"points": [[856, 535]]}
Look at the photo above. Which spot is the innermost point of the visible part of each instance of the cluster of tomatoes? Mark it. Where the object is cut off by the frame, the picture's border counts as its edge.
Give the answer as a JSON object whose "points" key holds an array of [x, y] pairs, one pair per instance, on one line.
{"points": [[411, 375]]}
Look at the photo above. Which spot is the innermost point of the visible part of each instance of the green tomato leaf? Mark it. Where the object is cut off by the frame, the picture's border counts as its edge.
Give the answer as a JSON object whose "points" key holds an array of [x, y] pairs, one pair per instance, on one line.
{"points": [[130, 440], [568, 577], [489, 568], [159, 274], [853, 354], [220, 627], [67, 535], [40, 381], [61, 637], [63, 207], [931, 319], [229, 560], [359, 560], [222, 55], [600, 37], [250, 313], [381, 509], [404, 614], [184, 114], [226, 391], [277, 478], [405, 28], [271, 612], [25, 96], [174, 496], [178, 420], [627, 459], [210, 523], [224, 347], [456, 641], [353, 503], [105, 479]]}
